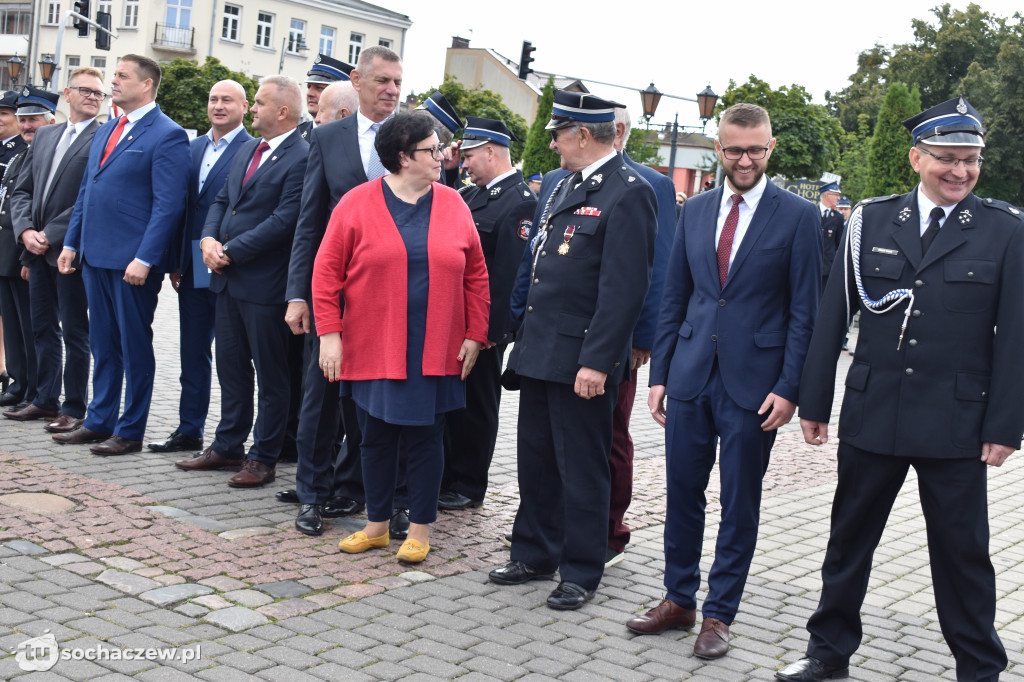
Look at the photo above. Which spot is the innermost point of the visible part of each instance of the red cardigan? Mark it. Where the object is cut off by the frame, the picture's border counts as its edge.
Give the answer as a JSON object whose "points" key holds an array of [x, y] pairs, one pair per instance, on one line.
{"points": [[363, 257]]}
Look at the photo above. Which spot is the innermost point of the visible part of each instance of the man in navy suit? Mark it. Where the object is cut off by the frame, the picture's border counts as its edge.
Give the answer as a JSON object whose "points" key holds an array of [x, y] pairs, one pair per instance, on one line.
{"points": [[248, 230], [42, 203], [212, 154], [128, 210], [738, 307], [341, 156]]}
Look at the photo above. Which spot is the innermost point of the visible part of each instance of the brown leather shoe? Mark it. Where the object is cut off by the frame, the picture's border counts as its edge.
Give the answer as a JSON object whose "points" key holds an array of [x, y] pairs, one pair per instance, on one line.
{"points": [[209, 460], [665, 615], [713, 640], [80, 436], [253, 475], [64, 423], [116, 445], [29, 413]]}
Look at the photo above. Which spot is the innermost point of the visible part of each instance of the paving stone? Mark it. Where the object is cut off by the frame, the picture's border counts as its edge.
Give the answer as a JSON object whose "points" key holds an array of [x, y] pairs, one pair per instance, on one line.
{"points": [[61, 559], [172, 512], [127, 582], [250, 598], [205, 523], [223, 583], [236, 618], [192, 610], [174, 594], [288, 608], [84, 568], [123, 563], [284, 589], [26, 547]]}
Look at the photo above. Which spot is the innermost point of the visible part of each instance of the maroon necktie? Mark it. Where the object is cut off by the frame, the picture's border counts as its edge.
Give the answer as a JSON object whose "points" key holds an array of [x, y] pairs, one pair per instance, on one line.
{"points": [[725, 240], [255, 161], [114, 137]]}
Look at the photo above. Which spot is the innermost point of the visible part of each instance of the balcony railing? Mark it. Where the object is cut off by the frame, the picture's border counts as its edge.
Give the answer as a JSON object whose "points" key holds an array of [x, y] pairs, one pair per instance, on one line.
{"points": [[174, 37]]}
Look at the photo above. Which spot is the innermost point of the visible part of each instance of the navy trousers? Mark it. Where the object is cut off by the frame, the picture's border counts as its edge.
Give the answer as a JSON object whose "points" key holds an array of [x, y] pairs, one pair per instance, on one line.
{"points": [[60, 324], [563, 447], [121, 341], [251, 336], [693, 429], [196, 312], [954, 499], [19, 345]]}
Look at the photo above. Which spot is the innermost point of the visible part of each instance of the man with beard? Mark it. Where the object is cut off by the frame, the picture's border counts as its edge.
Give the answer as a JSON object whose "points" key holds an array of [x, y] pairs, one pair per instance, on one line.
{"points": [[738, 307]]}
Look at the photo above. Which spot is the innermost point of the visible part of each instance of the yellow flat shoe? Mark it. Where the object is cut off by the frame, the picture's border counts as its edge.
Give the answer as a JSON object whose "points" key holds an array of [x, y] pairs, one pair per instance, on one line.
{"points": [[413, 552], [360, 542]]}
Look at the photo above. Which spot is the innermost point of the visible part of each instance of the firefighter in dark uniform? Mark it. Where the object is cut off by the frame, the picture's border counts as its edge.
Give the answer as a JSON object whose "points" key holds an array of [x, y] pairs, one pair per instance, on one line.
{"points": [[325, 70], [503, 207], [11, 143], [831, 226], [934, 273], [590, 273]]}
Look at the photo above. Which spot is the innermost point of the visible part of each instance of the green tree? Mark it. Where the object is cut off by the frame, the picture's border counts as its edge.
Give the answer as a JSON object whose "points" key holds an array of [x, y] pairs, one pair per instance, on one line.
{"points": [[807, 138], [484, 104], [890, 170], [853, 160], [865, 92], [538, 157], [185, 87], [640, 149]]}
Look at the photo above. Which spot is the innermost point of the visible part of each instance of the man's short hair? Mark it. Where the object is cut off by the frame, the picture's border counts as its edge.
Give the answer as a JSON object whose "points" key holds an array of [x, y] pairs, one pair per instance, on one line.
{"points": [[288, 93], [85, 71], [366, 57], [622, 116], [601, 131], [147, 68], [746, 115]]}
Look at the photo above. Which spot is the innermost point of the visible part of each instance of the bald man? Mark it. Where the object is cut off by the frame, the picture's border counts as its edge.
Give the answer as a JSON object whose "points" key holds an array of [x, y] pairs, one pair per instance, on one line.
{"points": [[211, 157], [337, 100]]}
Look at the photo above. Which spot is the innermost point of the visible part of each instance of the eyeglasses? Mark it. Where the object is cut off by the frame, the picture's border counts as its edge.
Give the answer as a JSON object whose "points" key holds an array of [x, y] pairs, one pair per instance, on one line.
{"points": [[89, 92], [953, 162], [437, 151], [554, 133], [736, 153]]}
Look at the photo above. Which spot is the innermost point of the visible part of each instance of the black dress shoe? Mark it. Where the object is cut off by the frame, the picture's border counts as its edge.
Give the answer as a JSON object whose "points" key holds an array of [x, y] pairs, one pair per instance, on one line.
{"points": [[517, 573], [287, 496], [569, 596], [7, 399], [810, 670], [5, 381], [310, 520], [345, 506], [453, 501], [177, 442], [398, 528]]}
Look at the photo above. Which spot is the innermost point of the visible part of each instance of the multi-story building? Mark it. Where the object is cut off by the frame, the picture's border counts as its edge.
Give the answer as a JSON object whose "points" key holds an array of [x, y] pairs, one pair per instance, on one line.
{"points": [[256, 37]]}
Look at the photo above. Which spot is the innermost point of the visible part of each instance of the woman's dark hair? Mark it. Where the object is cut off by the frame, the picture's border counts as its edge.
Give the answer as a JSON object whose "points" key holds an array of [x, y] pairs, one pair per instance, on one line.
{"points": [[401, 133]]}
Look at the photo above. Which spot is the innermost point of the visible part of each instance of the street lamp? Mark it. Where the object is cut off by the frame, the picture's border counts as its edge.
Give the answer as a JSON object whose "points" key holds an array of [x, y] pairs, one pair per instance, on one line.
{"points": [[294, 45], [14, 69], [651, 96], [650, 99], [706, 101], [46, 67]]}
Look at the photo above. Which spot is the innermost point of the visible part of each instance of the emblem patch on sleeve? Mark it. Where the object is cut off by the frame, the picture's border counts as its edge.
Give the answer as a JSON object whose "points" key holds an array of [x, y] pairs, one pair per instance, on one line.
{"points": [[524, 229]]}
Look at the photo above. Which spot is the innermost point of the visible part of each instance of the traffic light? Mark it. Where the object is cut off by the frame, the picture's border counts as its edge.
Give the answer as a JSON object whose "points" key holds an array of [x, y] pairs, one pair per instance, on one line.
{"points": [[103, 37], [82, 7], [525, 59]]}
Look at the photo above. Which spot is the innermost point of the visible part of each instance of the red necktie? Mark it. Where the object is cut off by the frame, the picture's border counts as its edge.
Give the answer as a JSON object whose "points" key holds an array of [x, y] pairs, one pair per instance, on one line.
{"points": [[725, 240], [114, 137], [255, 161]]}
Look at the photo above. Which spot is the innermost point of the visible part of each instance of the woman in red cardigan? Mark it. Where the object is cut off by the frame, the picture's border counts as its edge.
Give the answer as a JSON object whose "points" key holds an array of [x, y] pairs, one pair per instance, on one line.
{"points": [[404, 253]]}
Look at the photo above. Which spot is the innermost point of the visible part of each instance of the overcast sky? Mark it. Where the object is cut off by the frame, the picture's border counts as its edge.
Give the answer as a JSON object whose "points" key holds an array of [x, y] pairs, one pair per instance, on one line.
{"points": [[681, 47]]}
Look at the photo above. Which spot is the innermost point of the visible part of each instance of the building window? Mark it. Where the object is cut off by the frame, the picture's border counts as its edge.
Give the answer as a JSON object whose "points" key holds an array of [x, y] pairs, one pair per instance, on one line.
{"points": [[327, 41], [73, 62], [385, 42], [232, 17], [296, 36], [15, 19], [131, 14], [101, 64], [264, 29], [179, 14], [355, 46], [104, 6], [53, 12]]}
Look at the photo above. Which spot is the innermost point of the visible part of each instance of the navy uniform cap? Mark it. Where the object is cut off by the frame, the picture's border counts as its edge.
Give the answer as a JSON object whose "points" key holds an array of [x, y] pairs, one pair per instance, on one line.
{"points": [[34, 101], [480, 131], [328, 70], [829, 187], [442, 110], [844, 202], [954, 122], [536, 177], [9, 99], [577, 107]]}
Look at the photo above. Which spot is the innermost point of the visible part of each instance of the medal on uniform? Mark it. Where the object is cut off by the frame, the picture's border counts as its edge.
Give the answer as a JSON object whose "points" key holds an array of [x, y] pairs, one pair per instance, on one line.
{"points": [[563, 248]]}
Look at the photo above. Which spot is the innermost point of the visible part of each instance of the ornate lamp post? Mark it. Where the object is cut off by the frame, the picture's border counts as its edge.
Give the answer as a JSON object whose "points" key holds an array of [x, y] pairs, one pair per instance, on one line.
{"points": [[46, 68], [14, 69]]}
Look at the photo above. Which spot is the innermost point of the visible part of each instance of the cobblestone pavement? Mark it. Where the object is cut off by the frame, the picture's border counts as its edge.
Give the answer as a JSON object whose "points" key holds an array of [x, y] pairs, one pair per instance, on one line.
{"points": [[218, 585]]}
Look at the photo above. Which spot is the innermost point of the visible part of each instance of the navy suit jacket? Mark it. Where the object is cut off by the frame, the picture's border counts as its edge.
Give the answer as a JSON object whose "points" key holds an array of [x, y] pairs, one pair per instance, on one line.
{"points": [[131, 207], [199, 202], [256, 222], [334, 167], [760, 322]]}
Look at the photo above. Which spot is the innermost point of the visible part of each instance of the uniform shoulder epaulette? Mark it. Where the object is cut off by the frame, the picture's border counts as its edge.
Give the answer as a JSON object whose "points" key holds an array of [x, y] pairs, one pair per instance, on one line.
{"points": [[524, 191], [877, 200], [1007, 207], [464, 189], [628, 174]]}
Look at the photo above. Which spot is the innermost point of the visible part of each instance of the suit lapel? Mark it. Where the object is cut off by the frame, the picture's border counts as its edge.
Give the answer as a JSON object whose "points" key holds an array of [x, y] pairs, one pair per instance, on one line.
{"points": [[80, 145], [130, 138], [275, 155], [710, 219], [223, 161], [355, 159]]}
